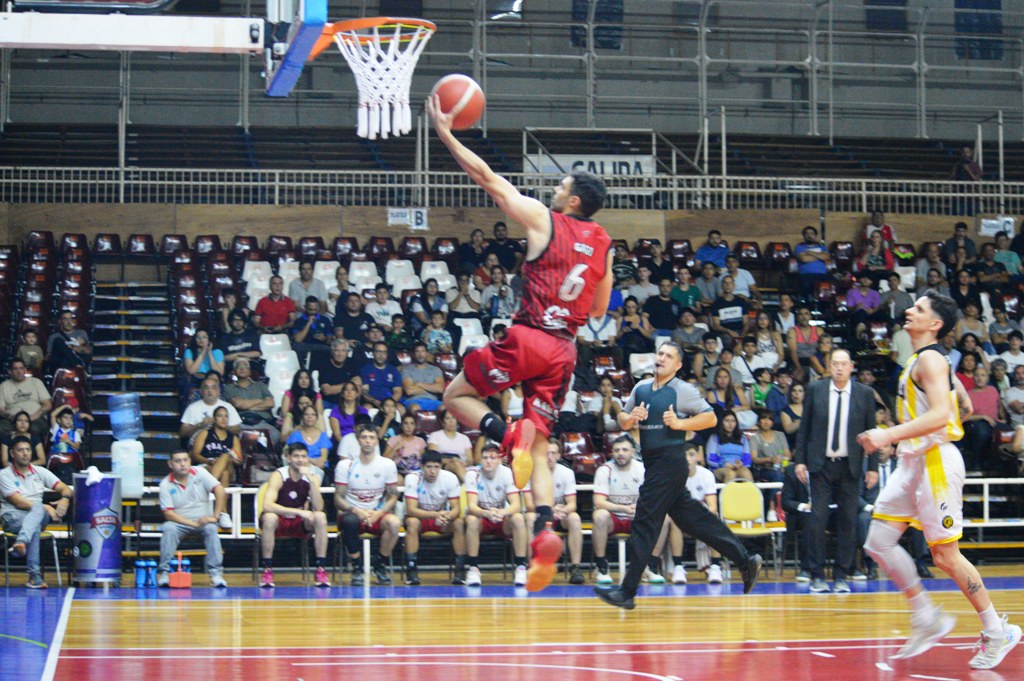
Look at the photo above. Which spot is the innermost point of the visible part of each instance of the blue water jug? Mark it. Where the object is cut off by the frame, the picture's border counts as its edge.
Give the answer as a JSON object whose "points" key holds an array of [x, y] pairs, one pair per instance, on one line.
{"points": [[125, 416], [151, 573], [140, 574], [186, 565]]}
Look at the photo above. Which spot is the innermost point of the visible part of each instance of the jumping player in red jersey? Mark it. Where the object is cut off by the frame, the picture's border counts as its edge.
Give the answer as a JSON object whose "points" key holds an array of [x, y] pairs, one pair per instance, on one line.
{"points": [[568, 277]]}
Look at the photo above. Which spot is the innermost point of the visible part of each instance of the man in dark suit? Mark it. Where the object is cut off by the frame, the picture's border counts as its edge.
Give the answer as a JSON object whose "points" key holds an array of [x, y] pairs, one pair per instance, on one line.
{"points": [[828, 455]]}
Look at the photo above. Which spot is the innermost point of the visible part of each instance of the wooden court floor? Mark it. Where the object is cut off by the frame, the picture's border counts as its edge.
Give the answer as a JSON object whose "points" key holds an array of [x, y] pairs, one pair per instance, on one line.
{"points": [[441, 632]]}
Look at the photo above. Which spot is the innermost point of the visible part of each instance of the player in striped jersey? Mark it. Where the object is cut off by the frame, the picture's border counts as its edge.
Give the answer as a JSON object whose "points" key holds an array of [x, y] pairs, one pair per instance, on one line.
{"points": [[568, 278], [926, 489]]}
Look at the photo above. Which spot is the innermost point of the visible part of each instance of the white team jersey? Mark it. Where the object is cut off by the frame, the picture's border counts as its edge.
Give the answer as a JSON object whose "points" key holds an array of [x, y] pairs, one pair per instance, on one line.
{"points": [[565, 483], [491, 492], [913, 401], [367, 483], [432, 496], [701, 484], [620, 485]]}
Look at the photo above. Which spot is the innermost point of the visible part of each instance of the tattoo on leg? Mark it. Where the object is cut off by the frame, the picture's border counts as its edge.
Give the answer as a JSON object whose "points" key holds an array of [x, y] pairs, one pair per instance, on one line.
{"points": [[972, 586]]}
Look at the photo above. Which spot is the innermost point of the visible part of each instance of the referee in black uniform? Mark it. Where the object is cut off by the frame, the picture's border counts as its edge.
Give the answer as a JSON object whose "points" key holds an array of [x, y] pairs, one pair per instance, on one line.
{"points": [[666, 408]]}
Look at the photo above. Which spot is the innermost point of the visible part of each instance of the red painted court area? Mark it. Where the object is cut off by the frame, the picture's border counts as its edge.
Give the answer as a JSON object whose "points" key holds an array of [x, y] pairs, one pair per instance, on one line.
{"points": [[854, 660]]}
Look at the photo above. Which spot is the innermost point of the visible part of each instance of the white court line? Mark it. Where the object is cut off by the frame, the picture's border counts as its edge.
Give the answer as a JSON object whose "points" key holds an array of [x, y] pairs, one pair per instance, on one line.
{"points": [[932, 678], [821, 654], [599, 648], [883, 666], [625, 672], [58, 636]]}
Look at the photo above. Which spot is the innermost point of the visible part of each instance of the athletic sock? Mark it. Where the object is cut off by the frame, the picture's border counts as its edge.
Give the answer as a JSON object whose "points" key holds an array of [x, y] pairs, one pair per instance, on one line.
{"points": [[268, 563], [493, 426], [990, 622], [380, 560], [410, 559], [460, 561], [717, 561], [602, 565], [654, 563], [677, 560], [472, 561], [544, 516], [922, 608], [521, 560], [321, 562]]}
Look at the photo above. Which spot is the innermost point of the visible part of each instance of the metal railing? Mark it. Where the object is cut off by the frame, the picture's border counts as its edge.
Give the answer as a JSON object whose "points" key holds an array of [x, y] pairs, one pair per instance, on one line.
{"points": [[455, 189]]}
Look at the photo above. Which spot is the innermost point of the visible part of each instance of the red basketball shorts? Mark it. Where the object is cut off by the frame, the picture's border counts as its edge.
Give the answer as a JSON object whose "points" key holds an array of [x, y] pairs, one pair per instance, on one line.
{"points": [[431, 525], [291, 527], [541, 362], [489, 527], [621, 525]]}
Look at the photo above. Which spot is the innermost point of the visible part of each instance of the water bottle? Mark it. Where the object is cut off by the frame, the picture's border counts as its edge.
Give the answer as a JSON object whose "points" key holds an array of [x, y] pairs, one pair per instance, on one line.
{"points": [[151, 573], [186, 565], [495, 301], [140, 574], [175, 566], [126, 461], [125, 416]]}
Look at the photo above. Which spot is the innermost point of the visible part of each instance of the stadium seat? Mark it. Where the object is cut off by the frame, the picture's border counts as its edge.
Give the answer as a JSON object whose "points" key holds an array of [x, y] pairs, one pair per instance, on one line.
{"points": [[471, 341], [406, 282], [172, 243], [343, 248], [256, 268], [380, 249], [427, 422], [207, 244], [446, 249], [241, 245], [107, 245], [141, 246], [255, 289], [470, 326], [446, 282], [71, 240], [432, 269], [37, 239], [843, 255], [276, 244], [324, 271], [749, 254], [310, 246], [396, 269], [412, 248], [274, 342], [622, 382]]}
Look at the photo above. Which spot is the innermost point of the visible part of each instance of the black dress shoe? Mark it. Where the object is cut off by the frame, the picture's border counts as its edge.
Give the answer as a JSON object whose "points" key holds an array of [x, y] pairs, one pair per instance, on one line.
{"points": [[923, 572], [614, 595], [750, 571]]}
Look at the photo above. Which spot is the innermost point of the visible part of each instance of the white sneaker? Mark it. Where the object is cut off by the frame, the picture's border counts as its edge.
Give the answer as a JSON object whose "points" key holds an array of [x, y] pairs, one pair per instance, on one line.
{"points": [[520, 577], [217, 581], [652, 577], [923, 637], [224, 521], [715, 574], [163, 579], [603, 578], [991, 651], [679, 574], [773, 517], [473, 576]]}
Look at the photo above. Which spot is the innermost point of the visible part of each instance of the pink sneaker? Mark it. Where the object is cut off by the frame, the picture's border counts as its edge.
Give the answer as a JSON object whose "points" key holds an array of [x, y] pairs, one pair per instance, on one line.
{"points": [[321, 578], [267, 580], [519, 442]]}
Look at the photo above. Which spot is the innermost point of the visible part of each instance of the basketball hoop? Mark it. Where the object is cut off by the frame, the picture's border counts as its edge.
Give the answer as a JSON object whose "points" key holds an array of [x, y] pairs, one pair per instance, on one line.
{"points": [[382, 53]]}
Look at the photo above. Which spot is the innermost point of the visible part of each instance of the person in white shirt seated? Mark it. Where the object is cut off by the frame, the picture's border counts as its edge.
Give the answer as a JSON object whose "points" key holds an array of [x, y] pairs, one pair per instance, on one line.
{"points": [[616, 490], [432, 505], [645, 288], [493, 509], [598, 337], [1013, 357]]}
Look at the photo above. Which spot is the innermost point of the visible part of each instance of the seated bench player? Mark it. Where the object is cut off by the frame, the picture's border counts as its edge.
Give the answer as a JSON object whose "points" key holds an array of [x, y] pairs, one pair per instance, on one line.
{"points": [[432, 505], [616, 490], [494, 509], [185, 503], [566, 518], [292, 507], [365, 494]]}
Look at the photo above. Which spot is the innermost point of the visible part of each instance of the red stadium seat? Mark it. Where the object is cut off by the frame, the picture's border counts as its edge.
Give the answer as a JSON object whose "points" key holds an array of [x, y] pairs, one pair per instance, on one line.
{"points": [[427, 422], [276, 244], [207, 244], [843, 255], [107, 244], [37, 239], [70, 240], [243, 244], [172, 243], [380, 249], [446, 248], [749, 254], [309, 246]]}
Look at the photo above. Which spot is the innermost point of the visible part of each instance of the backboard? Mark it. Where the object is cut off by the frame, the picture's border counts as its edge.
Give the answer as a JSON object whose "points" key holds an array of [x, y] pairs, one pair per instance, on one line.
{"points": [[295, 26]]}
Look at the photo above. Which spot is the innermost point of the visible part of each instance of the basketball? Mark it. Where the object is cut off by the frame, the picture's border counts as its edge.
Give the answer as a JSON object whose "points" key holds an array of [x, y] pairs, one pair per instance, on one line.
{"points": [[456, 88]]}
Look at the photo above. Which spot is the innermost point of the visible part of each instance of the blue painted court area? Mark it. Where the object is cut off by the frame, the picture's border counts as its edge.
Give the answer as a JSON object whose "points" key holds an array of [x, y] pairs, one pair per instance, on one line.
{"points": [[26, 630]]}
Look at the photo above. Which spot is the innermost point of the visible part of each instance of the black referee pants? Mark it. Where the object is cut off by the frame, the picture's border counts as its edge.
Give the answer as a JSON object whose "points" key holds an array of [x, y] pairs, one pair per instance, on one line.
{"points": [[662, 493]]}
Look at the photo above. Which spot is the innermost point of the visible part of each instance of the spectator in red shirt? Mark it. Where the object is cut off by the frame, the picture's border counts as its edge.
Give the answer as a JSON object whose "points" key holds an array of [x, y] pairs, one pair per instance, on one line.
{"points": [[275, 313], [988, 416]]}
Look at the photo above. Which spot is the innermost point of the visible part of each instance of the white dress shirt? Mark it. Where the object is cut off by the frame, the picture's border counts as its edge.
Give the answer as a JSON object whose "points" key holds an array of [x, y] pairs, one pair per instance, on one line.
{"points": [[844, 419]]}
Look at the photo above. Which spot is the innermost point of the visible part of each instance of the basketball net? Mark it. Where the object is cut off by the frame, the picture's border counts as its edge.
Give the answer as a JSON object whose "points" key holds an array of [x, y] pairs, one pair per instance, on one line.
{"points": [[383, 67]]}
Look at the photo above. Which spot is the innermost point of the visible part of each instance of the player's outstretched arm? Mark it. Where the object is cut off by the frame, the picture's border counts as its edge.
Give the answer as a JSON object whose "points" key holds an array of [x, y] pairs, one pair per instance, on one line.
{"points": [[528, 212]]}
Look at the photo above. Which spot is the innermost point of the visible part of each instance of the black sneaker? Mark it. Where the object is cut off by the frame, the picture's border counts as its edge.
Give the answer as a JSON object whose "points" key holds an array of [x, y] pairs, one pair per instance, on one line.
{"points": [[380, 575], [412, 576], [576, 575], [750, 570], [459, 578], [358, 578], [614, 595]]}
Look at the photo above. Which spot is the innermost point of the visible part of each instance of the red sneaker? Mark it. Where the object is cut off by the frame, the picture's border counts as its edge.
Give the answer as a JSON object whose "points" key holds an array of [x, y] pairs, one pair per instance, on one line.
{"points": [[519, 443], [547, 549]]}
